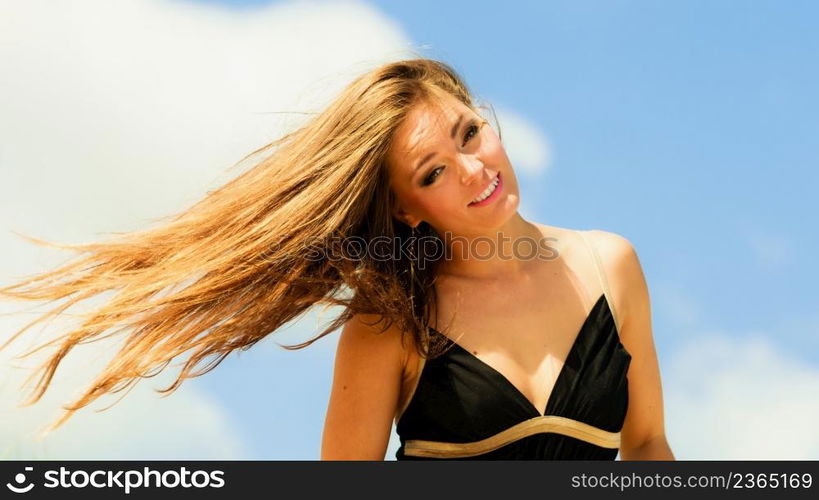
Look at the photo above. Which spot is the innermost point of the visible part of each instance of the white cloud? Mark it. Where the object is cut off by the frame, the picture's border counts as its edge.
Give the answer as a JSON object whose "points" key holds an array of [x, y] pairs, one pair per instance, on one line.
{"points": [[676, 304], [113, 113], [730, 398], [143, 425]]}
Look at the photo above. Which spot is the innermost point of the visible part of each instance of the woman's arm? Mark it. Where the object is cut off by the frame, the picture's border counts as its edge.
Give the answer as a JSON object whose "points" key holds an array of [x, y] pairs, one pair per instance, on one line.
{"points": [[643, 434], [365, 391]]}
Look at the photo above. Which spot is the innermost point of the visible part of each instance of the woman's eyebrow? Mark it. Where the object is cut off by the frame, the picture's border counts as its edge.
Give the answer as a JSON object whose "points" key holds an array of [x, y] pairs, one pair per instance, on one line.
{"points": [[455, 127], [451, 134]]}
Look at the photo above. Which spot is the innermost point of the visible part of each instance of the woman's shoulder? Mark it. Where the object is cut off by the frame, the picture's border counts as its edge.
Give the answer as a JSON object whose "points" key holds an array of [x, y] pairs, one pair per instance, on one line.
{"points": [[617, 253], [618, 258], [364, 340], [367, 333], [610, 245]]}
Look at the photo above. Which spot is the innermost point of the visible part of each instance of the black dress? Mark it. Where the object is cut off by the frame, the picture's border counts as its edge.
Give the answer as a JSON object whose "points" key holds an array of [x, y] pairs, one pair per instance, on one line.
{"points": [[462, 408]]}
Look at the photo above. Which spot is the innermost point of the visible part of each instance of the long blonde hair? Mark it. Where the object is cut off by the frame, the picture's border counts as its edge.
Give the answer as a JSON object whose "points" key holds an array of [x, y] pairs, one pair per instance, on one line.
{"points": [[241, 250]]}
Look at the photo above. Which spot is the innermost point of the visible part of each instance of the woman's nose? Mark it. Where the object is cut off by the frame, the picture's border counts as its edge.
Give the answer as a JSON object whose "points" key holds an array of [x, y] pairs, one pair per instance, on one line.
{"points": [[471, 169]]}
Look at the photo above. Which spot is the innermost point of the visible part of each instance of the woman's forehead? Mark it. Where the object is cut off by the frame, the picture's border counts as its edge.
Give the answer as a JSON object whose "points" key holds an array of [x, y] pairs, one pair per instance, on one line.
{"points": [[427, 123]]}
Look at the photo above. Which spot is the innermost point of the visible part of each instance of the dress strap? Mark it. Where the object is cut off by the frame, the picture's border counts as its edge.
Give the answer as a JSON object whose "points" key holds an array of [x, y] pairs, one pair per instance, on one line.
{"points": [[601, 275]]}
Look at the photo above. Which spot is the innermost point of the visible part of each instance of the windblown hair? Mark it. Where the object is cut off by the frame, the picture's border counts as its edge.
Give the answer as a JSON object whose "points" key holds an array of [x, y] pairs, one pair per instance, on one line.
{"points": [[235, 266]]}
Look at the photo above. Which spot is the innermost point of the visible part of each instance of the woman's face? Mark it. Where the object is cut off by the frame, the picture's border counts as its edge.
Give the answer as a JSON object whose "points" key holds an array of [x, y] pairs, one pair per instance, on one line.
{"points": [[443, 157]]}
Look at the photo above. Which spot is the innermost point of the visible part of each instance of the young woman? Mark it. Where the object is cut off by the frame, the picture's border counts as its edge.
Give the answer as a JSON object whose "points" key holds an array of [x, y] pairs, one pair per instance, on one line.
{"points": [[477, 339]]}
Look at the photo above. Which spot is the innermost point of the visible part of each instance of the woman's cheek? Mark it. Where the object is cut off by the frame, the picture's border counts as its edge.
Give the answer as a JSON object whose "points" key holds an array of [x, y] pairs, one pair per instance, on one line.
{"points": [[494, 149]]}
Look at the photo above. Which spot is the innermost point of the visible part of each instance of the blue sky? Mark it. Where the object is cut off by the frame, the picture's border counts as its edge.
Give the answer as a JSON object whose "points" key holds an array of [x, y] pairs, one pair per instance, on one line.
{"points": [[689, 127]]}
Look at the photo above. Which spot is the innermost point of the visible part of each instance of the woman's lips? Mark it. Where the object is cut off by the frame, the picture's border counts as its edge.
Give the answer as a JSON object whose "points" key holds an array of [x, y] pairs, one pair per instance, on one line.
{"points": [[492, 196]]}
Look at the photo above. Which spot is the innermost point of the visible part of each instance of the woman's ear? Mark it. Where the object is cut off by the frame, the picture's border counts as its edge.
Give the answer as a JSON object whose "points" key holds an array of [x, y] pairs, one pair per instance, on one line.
{"points": [[408, 219], [404, 216]]}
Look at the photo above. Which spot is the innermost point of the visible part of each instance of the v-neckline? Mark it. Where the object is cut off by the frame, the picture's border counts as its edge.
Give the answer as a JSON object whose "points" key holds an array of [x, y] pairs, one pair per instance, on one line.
{"points": [[561, 374]]}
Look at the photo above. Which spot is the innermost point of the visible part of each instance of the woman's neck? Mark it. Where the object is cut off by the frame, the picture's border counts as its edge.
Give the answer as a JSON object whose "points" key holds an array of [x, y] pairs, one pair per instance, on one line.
{"points": [[509, 252]]}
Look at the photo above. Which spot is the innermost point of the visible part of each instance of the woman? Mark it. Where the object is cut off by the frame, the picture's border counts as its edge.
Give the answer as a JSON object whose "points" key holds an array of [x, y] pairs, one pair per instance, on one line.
{"points": [[400, 157]]}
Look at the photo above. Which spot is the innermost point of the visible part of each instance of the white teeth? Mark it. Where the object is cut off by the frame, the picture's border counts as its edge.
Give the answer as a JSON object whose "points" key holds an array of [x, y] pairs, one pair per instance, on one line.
{"points": [[489, 191]]}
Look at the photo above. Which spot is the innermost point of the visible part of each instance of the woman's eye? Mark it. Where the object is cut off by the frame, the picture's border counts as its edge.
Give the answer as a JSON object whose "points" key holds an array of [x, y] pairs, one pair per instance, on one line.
{"points": [[473, 130], [431, 177]]}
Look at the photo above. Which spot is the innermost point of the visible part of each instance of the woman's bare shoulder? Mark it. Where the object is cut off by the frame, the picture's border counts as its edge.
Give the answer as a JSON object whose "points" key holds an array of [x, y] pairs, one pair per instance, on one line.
{"points": [[617, 255], [623, 270], [365, 391], [368, 330], [611, 246], [392, 344], [561, 240]]}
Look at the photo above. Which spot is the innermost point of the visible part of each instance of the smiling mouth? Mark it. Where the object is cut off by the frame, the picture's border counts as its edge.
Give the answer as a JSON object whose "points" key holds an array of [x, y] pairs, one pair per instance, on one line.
{"points": [[487, 193]]}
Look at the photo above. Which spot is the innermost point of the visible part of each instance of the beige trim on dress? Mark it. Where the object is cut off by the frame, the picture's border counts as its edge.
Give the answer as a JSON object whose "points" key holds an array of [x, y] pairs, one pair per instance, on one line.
{"points": [[601, 276], [544, 423]]}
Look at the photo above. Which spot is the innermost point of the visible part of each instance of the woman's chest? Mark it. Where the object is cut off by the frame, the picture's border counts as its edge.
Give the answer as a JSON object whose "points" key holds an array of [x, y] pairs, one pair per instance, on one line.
{"points": [[522, 322], [524, 333]]}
